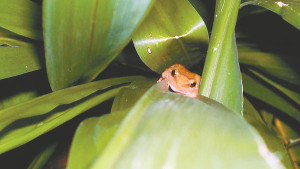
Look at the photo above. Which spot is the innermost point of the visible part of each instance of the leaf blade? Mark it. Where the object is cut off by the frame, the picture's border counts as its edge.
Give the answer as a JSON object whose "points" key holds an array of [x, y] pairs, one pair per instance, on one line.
{"points": [[49, 111], [77, 53], [221, 79], [161, 41]]}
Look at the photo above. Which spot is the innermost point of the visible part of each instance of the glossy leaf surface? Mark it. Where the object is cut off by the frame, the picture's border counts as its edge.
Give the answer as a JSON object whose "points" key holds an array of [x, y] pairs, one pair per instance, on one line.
{"points": [[221, 79], [17, 56], [176, 34], [168, 129], [289, 10], [22, 123], [83, 37], [273, 141], [22, 17]]}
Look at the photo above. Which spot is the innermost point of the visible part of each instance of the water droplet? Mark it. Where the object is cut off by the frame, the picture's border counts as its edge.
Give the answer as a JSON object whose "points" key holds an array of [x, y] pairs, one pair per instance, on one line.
{"points": [[26, 66], [149, 50]]}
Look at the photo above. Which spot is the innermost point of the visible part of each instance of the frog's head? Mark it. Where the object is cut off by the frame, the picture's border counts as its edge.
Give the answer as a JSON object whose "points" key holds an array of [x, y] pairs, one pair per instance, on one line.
{"points": [[182, 80]]}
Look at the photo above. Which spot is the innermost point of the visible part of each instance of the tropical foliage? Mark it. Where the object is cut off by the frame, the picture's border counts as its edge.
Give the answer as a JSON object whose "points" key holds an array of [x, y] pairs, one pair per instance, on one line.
{"points": [[78, 84]]}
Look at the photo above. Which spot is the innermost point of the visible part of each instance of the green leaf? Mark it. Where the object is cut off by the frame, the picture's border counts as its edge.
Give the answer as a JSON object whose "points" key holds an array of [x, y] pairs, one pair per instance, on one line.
{"points": [[295, 96], [40, 160], [166, 129], [22, 17], [272, 140], [18, 56], [91, 137], [97, 132], [282, 67], [289, 10], [221, 79], [129, 95], [173, 32], [83, 37], [260, 89], [32, 85], [21, 123]]}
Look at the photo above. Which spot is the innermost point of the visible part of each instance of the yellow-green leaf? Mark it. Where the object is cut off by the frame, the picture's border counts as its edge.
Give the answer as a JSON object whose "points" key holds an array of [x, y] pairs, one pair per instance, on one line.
{"points": [[221, 78], [173, 32], [22, 123], [22, 17]]}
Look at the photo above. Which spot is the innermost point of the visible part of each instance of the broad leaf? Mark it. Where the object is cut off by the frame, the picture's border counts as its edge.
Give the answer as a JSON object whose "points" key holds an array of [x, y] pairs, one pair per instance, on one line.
{"points": [[22, 17], [129, 95], [176, 34], [83, 37], [221, 79], [166, 129], [91, 137], [97, 132], [289, 10], [21, 123], [18, 56]]}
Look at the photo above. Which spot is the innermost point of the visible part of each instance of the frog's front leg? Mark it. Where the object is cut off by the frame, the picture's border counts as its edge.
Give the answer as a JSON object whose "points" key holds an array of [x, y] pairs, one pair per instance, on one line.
{"points": [[160, 79]]}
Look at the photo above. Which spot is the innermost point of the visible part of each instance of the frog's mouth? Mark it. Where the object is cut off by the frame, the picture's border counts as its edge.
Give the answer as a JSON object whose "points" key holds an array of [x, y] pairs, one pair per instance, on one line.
{"points": [[171, 90]]}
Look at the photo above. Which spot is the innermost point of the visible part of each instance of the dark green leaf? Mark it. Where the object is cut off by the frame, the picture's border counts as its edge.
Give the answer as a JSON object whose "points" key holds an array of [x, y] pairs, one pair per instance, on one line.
{"points": [[221, 79], [272, 140], [176, 34], [22, 123], [282, 67], [260, 89], [289, 10], [23, 88], [40, 160], [83, 37]]}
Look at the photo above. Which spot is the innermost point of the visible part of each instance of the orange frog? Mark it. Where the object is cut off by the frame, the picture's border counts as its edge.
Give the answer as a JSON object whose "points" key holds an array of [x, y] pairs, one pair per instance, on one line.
{"points": [[181, 80]]}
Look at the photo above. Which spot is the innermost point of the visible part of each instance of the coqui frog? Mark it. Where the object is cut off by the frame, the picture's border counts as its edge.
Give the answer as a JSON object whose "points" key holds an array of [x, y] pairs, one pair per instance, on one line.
{"points": [[181, 80]]}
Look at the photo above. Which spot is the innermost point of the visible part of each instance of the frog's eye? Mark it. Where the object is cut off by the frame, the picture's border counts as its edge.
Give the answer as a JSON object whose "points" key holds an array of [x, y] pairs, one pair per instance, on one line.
{"points": [[193, 84], [174, 72]]}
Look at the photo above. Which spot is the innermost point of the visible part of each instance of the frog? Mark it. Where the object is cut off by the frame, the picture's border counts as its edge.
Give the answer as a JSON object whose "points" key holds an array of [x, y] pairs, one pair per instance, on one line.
{"points": [[181, 80]]}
